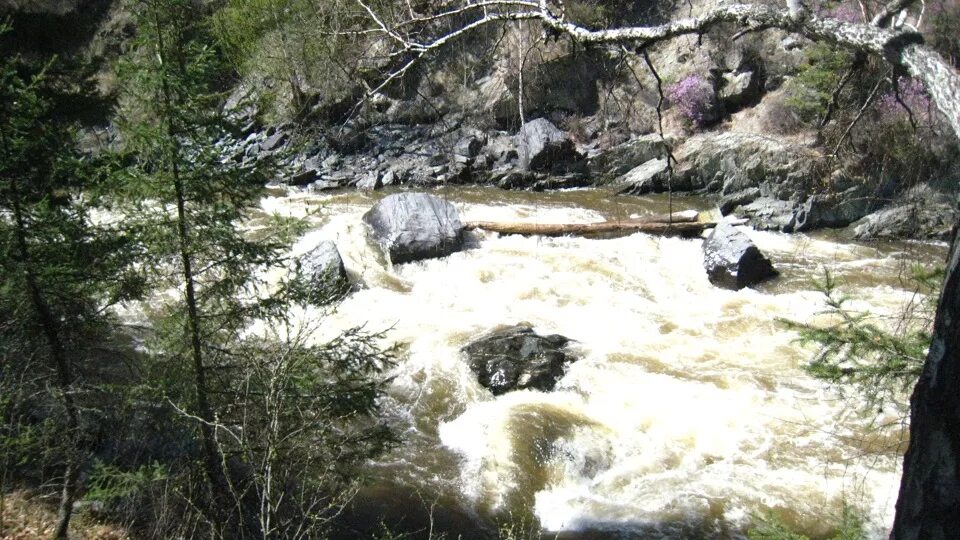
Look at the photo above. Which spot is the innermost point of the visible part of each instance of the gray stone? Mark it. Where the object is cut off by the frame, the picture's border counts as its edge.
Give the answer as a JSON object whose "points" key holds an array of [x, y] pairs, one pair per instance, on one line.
{"points": [[767, 213], [324, 274], [620, 159], [324, 185], [651, 177], [923, 213], [544, 148], [731, 259], [739, 89], [731, 162], [414, 226], [468, 147], [274, 141], [389, 178], [831, 210], [516, 358], [302, 178], [370, 181], [730, 202], [331, 162]]}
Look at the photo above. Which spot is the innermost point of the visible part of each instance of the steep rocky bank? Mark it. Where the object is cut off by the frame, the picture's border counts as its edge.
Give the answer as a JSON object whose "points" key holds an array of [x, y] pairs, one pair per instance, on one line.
{"points": [[588, 115]]}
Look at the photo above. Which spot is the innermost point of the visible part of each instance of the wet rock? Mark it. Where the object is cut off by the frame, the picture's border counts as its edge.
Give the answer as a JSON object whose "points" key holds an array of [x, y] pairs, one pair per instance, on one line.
{"points": [[923, 213], [651, 177], [730, 202], [502, 150], [620, 159], [516, 358], [371, 181], [302, 178], [731, 162], [731, 259], [544, 148], [414, 226], [514, 179], [324, 273], [324, 185], [468, 147], [769, 214], [831, 210]]}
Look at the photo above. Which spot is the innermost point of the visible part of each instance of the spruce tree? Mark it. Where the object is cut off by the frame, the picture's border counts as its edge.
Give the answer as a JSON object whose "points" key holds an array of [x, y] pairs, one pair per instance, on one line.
{"points": [[190, 199], [59, 271]]}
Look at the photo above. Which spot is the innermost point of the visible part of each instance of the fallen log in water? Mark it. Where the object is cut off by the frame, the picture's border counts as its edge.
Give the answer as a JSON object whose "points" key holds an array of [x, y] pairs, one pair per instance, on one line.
{"points": [[679, 223]]}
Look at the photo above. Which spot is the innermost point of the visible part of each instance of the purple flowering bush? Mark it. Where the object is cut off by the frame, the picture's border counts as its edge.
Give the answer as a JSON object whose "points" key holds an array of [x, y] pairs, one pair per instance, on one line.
{"points": [[890, 145], [695, 98], [845, 13], [913, 95]]}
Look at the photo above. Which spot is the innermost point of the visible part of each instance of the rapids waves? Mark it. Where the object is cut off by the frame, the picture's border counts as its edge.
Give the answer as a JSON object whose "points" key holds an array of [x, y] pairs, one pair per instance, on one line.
{"points": [[687, 414]]}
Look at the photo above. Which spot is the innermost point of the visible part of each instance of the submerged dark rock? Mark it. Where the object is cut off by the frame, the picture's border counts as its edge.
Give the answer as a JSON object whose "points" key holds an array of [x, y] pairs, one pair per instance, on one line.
{"points": [[516, 358], [414, 226], [732, 261]]}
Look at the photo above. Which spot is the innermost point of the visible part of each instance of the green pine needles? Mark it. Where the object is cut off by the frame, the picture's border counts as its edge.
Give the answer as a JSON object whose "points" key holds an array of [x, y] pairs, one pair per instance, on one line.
{"points": [[281, 420], [859, 351]]}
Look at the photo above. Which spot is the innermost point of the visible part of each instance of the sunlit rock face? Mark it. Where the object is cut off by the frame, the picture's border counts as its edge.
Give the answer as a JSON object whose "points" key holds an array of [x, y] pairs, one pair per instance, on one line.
{"points": [[414, 226], [732, 260]]}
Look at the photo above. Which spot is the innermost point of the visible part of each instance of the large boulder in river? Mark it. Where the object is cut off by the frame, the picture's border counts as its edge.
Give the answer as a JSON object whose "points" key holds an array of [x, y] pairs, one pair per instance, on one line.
{"points": [[324, 274], [731, 259], [414, 226], [516, 358], [544, 148]]}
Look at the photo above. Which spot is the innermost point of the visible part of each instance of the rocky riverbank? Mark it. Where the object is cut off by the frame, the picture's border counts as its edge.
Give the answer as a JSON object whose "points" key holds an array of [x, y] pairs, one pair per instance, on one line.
{"points": [[775, 183]]}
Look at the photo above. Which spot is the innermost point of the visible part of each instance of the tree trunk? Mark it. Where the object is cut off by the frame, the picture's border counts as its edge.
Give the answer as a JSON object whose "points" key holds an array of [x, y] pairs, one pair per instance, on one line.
{"points": [[211, 454], [51, 331], [678, 223], [928, 507]]}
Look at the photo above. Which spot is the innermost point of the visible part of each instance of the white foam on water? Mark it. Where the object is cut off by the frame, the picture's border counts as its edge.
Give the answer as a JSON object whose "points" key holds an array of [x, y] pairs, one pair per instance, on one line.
{"points": [[688, 404]]}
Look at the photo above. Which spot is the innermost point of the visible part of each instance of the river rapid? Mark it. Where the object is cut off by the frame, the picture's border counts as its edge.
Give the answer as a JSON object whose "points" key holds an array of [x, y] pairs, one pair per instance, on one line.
{"points": [[687, 415]]}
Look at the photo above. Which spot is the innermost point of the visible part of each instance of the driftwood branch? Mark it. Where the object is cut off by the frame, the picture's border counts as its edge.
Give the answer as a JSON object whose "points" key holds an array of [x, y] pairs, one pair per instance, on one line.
{"points": [[685, 223]]}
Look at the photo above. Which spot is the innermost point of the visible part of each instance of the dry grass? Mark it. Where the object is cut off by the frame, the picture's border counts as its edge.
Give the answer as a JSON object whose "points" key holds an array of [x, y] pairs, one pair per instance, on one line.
{"points": [[25, 517]]}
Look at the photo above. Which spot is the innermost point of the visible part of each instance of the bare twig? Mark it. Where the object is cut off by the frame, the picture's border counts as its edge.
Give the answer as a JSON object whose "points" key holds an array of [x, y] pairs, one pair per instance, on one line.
{"points": [[863, 108], [855, 66], [670, 157]]}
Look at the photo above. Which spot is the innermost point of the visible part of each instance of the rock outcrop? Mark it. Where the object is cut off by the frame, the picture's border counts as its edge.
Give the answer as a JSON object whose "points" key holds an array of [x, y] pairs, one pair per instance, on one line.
{"points": [[923, 213], [732, 261], [651, 177], [544, 148], [516, 358], [415, 226], [620, 159]]}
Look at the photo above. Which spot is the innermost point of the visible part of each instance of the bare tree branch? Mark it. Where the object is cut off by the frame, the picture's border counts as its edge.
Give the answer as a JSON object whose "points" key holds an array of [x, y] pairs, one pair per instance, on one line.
{"points": [[901, 48]]}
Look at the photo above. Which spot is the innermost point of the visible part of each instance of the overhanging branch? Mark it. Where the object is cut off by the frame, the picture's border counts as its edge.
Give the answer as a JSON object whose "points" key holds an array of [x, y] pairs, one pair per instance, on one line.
{"points": [[903, 49]]}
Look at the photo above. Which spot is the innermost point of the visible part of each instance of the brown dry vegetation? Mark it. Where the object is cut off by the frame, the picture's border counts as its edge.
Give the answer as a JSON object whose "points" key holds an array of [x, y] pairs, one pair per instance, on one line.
{"points": [[25, 517]]}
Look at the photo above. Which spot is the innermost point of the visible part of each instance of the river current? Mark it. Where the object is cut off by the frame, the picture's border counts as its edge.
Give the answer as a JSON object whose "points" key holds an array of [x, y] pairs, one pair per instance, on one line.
{"points": [[687, 415]]}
